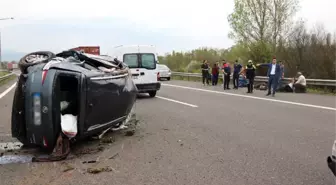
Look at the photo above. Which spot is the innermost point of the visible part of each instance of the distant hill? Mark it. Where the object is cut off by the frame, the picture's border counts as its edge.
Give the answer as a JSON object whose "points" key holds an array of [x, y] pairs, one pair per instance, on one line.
{"points": [[10, 55]]}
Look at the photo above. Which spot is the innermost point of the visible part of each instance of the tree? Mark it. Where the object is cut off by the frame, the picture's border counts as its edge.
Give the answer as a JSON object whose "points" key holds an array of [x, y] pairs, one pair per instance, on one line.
{"points": [[261, 22], [281, 13]]}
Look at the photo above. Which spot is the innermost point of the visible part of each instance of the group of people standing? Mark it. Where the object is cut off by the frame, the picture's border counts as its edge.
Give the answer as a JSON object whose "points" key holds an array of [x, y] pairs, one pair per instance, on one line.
{"points": [[275, 74], [226, 70]]}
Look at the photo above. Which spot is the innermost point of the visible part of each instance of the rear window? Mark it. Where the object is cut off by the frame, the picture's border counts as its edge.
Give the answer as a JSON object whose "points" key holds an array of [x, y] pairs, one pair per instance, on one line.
{"points": [[144, 60], [131, 60], [148, 61]]}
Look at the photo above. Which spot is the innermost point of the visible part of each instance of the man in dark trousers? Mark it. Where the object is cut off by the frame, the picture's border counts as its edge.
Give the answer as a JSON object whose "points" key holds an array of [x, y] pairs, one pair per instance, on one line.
{"points": [[227, 73], [205, 72], [250, 74], [273, 73], [215, 73], [236, 71]]}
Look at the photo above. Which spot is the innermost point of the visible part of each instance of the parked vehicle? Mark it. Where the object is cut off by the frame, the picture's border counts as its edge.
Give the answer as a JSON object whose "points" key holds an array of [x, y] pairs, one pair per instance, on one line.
{"points": [[11, 66], [164, 72], [142, 60], [331, 160], [94, 50], [97, 92]]}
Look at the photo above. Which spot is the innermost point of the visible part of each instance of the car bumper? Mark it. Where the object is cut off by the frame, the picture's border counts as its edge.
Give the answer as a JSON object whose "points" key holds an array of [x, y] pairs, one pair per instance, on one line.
{"points": [[148, 87], [162, 75]]}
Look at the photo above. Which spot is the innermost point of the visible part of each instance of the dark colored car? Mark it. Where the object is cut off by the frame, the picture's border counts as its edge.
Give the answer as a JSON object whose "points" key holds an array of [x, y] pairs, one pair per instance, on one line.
{"points": [[99, 91]]}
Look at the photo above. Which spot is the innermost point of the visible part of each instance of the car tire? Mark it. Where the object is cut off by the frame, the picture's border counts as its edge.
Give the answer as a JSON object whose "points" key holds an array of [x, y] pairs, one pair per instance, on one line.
{"points": [[152, 94], [168, 78], [24, 63]]}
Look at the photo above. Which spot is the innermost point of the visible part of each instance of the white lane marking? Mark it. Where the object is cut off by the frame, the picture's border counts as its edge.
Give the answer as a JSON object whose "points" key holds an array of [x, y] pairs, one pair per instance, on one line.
{"points": [[175, 101], [7, 90], [253, 97]]}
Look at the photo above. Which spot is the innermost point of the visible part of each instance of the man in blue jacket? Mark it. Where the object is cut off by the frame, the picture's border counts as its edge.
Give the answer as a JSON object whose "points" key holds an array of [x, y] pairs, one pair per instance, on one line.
{"points": [[274, 74], [236, 71]]}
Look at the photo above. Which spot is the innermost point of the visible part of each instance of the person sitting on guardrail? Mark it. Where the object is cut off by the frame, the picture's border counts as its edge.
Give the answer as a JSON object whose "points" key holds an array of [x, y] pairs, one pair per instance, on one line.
{"points": [[205, 72], [300, 85]]}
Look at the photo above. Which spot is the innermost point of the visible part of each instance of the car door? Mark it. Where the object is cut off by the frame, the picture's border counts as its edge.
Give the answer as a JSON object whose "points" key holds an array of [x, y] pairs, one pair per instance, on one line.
{"points": [[104, 101], [132, 60], [148, 72]]}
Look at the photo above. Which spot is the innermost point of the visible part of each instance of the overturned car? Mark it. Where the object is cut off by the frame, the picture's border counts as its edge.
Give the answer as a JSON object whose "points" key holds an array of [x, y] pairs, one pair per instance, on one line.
{"points": [[94, 92]]}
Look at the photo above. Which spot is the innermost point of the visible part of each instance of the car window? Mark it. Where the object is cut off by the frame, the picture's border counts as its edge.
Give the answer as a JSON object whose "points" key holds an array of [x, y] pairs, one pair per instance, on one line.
{"points": [[131, 60], [148, 61]]}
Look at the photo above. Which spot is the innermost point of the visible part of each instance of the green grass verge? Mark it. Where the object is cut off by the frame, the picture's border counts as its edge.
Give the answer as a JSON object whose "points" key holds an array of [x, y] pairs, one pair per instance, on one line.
{"points": [[312, 90], [3, 73], [5, 81]]}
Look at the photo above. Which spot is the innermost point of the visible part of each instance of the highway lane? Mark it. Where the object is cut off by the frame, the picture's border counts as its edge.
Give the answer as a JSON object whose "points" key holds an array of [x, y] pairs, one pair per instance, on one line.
{"points": [[5, 112], [286, 142], [223, 139], [322, 100]]}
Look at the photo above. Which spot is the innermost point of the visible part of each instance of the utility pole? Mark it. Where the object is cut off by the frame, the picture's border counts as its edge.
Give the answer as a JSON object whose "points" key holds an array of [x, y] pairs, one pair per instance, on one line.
{"points": [[3, 19]]}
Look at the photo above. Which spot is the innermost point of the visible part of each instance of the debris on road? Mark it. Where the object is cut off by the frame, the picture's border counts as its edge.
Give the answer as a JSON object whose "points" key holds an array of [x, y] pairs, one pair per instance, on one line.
{"points": [[114, 156], [68, 167], [9, 159], [98, 170], [92, 161], [61, 151], [89, 151], [10, 146], [108, 140], [130, 133]]}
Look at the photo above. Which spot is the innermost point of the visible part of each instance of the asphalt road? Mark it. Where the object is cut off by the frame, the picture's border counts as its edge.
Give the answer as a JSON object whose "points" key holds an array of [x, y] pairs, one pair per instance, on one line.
{"points": [[191, 134]]}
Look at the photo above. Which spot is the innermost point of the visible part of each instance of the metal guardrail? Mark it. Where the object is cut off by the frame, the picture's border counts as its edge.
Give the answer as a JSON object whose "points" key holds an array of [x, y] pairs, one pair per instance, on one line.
{"points": [[312, 82]]}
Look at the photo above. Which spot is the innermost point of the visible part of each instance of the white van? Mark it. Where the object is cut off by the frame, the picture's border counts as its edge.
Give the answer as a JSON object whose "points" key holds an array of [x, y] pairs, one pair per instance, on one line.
{"points": [[142, 60]]}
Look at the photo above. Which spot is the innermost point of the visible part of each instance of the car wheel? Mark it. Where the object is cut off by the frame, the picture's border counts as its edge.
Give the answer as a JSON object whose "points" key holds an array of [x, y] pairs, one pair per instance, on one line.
{"points": [[35, 58], [168, 78], [152, 93]]}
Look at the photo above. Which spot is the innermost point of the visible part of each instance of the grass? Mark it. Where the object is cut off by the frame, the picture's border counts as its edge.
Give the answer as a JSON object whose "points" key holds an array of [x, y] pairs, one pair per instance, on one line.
{"points": [[5, 81], [323, 91], [3, 73], [312, 90]]}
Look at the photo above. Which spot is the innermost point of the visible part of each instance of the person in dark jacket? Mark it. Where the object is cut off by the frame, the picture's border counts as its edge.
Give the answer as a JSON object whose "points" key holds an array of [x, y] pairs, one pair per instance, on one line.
{"points": [[227, 73], [236, 71], [273, 73], [215, 73], [250, 74], [205, 72]]}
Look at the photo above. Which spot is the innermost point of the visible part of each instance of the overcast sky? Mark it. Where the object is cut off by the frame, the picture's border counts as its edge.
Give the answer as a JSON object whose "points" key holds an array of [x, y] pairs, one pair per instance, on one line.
{"points": [[57, 25]]}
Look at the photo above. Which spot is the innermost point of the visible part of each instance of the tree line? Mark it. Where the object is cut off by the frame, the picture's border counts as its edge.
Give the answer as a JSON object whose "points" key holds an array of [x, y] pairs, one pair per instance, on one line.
{"points": [[262, 29]]}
